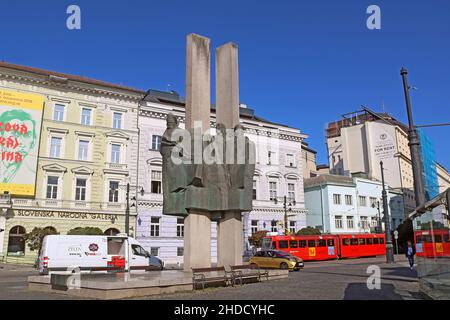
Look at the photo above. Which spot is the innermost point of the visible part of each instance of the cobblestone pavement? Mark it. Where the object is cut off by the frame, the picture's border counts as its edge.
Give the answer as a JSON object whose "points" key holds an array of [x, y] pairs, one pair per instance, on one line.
{"points": [[344, 279], [329, 280]]}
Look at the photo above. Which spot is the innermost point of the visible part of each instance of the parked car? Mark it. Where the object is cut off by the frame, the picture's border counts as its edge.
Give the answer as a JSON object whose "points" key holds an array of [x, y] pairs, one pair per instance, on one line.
{"points": [[277, 260], [95, 253]]}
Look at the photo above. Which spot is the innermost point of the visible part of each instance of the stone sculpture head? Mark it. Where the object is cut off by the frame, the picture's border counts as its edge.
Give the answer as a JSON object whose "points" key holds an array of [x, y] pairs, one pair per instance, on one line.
{"points": [[171, 121]]}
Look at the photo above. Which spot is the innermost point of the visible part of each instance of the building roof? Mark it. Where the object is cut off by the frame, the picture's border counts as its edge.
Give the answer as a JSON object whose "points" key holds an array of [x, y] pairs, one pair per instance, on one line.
{"points": [[359, 117], [305, 146], [64, 77], [328, 179], [174, 98]]}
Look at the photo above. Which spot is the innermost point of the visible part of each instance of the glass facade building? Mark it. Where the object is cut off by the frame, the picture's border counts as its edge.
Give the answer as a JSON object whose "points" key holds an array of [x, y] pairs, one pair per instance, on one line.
{"points": [[429, 166]]}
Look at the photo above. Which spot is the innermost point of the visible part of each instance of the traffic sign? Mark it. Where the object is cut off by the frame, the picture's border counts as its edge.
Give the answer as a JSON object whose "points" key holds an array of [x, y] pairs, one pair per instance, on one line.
{"points": [[396, 234]]}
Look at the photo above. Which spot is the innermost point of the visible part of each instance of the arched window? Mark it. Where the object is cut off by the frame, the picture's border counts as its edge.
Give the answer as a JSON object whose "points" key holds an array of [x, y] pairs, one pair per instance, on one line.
{"points": [[51, 230], [112, 232], [16, 241]]}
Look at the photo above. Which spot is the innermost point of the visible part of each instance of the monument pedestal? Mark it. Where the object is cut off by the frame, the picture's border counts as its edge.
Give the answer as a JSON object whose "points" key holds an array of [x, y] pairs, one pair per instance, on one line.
{"points": [[230, 237], [197, 240]]}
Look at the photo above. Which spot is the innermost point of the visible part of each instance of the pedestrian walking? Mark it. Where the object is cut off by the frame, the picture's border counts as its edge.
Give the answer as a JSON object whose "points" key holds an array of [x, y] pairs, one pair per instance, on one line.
{"points": [[409, 253]]}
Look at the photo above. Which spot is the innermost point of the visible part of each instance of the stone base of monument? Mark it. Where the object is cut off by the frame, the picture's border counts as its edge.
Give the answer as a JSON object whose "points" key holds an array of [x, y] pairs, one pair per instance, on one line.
{"points": [[125, 285]]}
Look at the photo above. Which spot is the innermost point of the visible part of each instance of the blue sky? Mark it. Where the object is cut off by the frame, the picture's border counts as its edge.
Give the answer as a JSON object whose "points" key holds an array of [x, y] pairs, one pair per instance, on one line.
{"points": [[302, 63]]}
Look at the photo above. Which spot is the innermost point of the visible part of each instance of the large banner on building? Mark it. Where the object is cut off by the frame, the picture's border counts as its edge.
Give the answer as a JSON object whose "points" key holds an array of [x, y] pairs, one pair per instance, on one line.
{"points": [[20, 127]]}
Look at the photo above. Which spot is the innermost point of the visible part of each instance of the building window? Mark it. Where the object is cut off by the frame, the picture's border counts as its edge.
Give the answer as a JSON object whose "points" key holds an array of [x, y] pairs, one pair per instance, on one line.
{"points": [[16, 241], [156, 142], [111, 232], [364, 223], [373, 202], [290, 160], [156, 182], [254, 226], [86, 116], [362, 201], [292, 227], [115, 153], [350, 222], [154, 226], [271, 158], [55, 147], [291, 192], [273, 190], [254, 190], [80, 190], [348, 200], [374, 222], [154, 251], [337, 199], [58, 112], [113, 191], [117, 120], [180, 227], [273, 226], [180, 251], [52, 187], [338, 222], [83, 149]]}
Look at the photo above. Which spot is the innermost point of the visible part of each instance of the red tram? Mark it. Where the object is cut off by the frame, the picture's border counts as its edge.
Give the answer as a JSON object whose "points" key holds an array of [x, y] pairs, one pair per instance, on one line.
{"points": [[327, 247], [432, 244]]}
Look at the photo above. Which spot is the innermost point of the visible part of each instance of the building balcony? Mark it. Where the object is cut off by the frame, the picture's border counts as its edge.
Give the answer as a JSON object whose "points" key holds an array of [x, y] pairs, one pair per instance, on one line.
{"points": [[69, 205], [116, 166]]}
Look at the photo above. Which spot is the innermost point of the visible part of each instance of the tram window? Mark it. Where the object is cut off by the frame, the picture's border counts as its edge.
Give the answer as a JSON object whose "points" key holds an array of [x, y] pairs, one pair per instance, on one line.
{"points": [[330, 242], [283, 244], [362, 241], [345, 242], [274, 245], [370, 241], [381, 240], [321, 243], [419, 239], [427, 239], [446, 238], [375, 240], [354, 242], [311, 243], [302, 243], [437, 238], [293, 244]]}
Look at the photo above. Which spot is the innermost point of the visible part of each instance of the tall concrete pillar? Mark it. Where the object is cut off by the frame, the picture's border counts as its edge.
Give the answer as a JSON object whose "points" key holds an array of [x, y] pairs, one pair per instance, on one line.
{"points": [[229, 239], [197, 225], [198, 81], [227, 85], [230, 234], [197, 240]]}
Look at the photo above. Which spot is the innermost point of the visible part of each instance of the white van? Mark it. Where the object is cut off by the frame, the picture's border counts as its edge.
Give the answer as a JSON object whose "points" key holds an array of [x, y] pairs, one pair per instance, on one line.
{"points": [[94, 253]]}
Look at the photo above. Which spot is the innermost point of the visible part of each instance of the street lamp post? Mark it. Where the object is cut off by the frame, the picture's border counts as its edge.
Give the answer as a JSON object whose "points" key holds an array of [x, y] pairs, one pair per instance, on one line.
{"points": [[414, 145], [387, 221], [286, 209], [127, 209]]}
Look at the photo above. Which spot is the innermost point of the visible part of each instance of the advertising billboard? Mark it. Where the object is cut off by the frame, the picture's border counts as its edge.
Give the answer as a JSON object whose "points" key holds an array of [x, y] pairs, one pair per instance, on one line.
{"points": [[20, 128]]}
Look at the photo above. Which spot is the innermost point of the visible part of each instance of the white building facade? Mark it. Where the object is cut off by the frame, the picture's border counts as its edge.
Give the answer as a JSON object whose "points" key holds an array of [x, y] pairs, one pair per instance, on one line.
{"points": [[338, 204], [278, 173]]}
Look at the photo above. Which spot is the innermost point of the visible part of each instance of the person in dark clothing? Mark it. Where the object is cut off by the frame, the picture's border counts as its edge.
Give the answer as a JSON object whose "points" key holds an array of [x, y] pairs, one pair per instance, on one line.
{"points": [[409, 253]]}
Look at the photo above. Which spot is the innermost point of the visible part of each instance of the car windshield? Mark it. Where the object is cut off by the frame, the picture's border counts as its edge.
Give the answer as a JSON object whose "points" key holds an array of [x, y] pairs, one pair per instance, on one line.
{"points": [[282, 254]]}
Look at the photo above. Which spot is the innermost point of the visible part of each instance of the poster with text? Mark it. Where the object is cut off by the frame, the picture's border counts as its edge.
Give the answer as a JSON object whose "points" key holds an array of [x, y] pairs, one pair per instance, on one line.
{"points": [[20, 127]]}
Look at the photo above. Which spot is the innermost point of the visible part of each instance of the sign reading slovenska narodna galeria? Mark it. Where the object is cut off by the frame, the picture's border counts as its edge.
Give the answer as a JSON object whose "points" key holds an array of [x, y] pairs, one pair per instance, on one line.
{"points": [[20, 127]]}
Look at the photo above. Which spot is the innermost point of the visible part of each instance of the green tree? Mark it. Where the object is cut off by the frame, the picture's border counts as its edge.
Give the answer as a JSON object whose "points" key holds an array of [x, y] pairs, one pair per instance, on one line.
{"points": [[256, 238], [308, 231], [35, 237], [85, 231]]}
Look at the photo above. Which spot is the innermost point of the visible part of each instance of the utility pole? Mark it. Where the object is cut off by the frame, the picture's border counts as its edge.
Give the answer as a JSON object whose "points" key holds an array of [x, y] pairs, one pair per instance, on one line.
{"points": [[387, 221], [127, 212], [286, 227], [414, 145]]}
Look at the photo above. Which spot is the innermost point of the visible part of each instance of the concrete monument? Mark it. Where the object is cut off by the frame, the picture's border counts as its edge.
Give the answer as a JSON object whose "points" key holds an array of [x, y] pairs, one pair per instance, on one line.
{"points": [[209, 177]]}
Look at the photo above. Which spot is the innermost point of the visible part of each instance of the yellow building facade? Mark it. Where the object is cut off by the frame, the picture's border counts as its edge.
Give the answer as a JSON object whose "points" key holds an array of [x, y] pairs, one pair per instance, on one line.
{"points": [[89, 142]]}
